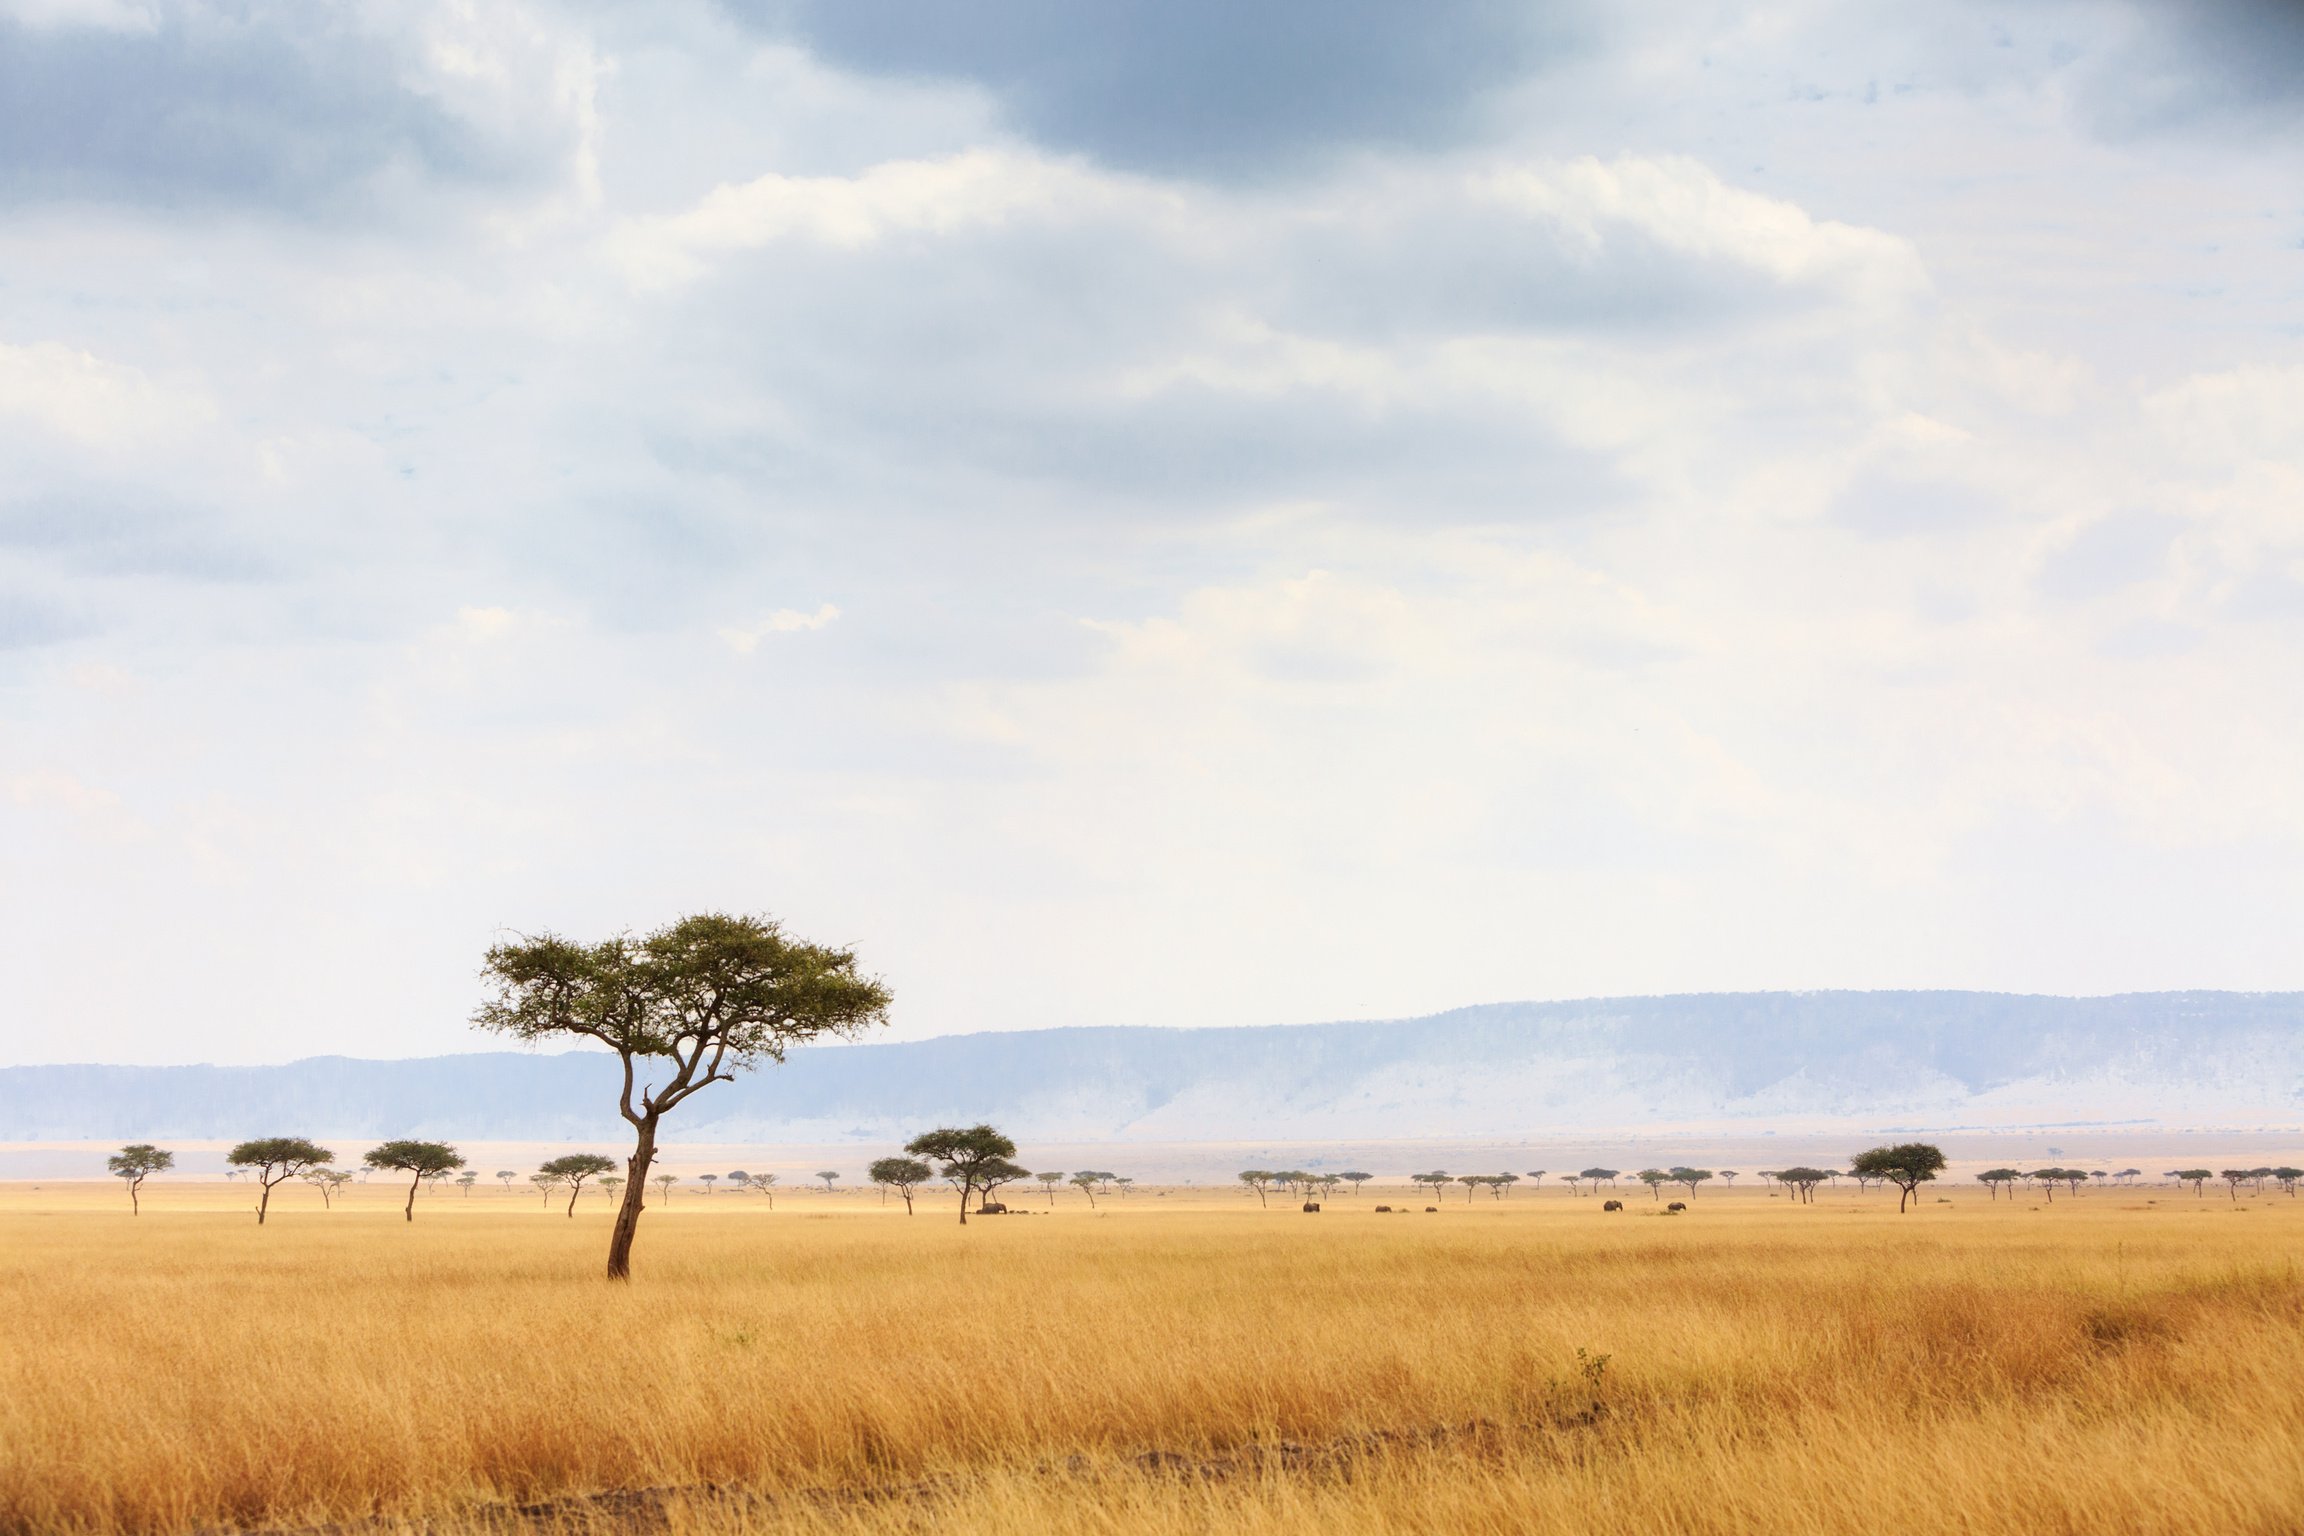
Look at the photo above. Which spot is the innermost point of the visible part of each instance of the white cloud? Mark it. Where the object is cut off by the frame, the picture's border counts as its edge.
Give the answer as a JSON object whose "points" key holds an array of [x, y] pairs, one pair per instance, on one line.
{"points": [[744, 639], [102, 15], [81, 397], [928, 197]]}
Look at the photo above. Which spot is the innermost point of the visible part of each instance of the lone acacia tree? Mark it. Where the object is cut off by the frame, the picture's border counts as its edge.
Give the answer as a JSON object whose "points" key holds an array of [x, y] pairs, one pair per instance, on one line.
{"points": [[703, 998], [1907, 1165], [573, 1169], [970, 1156], [418, 1159], [274, 1159], [901, 1174], [132, 1165]]}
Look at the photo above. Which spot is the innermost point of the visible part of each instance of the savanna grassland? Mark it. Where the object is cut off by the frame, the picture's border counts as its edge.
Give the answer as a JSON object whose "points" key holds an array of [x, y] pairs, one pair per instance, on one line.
{"points": [[2130, 1361]]}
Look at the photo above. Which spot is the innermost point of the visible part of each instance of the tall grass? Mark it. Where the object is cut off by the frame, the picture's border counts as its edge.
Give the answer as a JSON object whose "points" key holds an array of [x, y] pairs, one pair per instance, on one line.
{"points": [[2100, 1366]]}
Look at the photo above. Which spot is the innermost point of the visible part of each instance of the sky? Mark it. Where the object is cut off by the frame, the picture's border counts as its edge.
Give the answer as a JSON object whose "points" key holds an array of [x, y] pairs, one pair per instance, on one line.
{"points": [[1161, 512]]}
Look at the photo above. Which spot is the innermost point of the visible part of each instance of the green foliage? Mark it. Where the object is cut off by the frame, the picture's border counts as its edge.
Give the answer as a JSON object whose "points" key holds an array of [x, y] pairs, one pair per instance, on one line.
{"points": [[273, 1159], [577, 1166], [278, 1157], [900, 1172], [572, 1169], [135, 1163], [139, 1161], [1801, 1181], [969, 1155], [1906, 1165], [417, 1157], [712, 993]]}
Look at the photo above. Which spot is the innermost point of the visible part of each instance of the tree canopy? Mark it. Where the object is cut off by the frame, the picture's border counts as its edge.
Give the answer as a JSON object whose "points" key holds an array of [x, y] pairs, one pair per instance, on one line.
{"points": [[902, 1174], [1907, 1165], [135, 1163], [572, 1169], [705, 997], [419, 1159], [273, 1159], [972, 1157]]}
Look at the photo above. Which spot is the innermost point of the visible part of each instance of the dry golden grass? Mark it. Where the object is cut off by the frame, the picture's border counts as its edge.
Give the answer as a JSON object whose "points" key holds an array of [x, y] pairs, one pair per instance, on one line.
{"points": [[2102, 1365]]}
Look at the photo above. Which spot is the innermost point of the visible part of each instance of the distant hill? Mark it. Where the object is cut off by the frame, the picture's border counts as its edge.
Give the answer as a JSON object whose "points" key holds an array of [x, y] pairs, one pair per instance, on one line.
{"points": [[1736, 1061]]}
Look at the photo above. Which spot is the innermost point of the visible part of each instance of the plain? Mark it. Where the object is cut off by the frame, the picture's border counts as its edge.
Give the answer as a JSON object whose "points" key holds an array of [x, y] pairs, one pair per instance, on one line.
{"points": [[2130, 1360]]}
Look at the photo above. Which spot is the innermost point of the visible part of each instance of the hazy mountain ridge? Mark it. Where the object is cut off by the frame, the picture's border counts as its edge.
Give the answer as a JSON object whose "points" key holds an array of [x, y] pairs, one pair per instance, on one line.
{"points": [[1799, 1059]]}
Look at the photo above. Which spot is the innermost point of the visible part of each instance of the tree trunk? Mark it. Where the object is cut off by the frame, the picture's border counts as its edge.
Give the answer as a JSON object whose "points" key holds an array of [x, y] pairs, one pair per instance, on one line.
{"points": [[574, 1190], [409, 1210], [635, 1201], [263, 1202], [135, 1206], [964, 1188], [907, 1200]]}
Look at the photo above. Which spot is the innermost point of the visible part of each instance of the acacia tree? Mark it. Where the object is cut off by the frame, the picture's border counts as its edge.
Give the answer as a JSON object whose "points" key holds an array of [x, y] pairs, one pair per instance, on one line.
{"points": [[1434, 1182], [1538, 1175], [418, 1159], [466, 1180], [830, 1177], [1356, 1179], [664, 1183], [1086, 1181], [1599, 1176], [708, 1180], [2234, 1178], [1907, 1165], [2287, 1177], [573, 1168], [1655, 1179], [1049, 1181], [901, 1174], [995, 1173], [275, 1158], [765, 1184], [1691, 1177], [738, 1178], [505, 1176], [1802, 1182], [1259, 1180], [329, 1181], [135, 1163], [1993, 1178], [1729, 1176], [701, 999], [2196, 1177], [970, 1156], [610, 1183]]}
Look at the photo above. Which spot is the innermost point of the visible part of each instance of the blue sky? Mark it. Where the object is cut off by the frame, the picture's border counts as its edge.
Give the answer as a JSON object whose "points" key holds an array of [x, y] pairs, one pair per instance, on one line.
{"points": [[1144, 513]]}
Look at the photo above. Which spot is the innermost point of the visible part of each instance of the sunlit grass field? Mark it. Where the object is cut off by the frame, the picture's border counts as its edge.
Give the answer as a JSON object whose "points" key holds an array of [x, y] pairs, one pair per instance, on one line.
{"points": [[2130, 1361]]}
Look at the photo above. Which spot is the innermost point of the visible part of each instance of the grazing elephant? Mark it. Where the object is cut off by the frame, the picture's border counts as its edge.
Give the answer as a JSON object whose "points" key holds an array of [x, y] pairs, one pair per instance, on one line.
{"points": [[1613, 1205], [1677, 1205]]}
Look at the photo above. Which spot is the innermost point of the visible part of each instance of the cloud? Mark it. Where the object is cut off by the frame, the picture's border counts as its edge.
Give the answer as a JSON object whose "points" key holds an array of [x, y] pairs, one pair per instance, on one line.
{"points": [[2219, 66], [1784, 503], [1206, 87], [930, 197], [194, 104], [745, 639]]}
